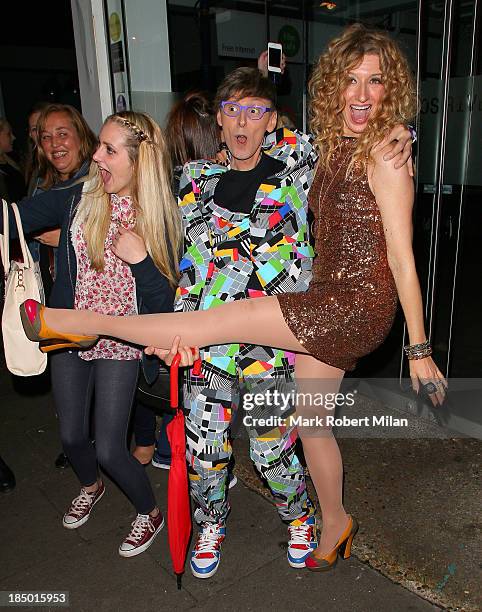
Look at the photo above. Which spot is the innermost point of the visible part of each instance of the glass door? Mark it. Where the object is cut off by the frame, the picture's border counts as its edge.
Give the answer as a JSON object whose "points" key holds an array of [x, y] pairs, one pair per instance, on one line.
{"points": [[209, 38], [449, 193], [449, 212]]}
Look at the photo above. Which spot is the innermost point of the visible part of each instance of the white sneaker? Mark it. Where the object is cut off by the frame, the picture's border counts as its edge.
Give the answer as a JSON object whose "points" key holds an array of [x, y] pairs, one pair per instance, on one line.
{"points": [[81, 506]]}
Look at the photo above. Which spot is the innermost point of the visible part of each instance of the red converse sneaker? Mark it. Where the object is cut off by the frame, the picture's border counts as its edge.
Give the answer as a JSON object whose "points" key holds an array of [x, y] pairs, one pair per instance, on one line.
{"points": [[81, 507], [144, 530]]}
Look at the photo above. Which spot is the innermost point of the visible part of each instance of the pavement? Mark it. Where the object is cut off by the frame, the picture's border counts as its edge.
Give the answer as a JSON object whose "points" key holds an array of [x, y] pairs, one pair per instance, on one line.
{"points": [[38, 554]]}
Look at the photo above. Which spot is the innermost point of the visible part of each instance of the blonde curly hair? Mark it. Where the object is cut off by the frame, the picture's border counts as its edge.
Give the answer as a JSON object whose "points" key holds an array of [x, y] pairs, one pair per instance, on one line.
{"points": [[329, 81]]}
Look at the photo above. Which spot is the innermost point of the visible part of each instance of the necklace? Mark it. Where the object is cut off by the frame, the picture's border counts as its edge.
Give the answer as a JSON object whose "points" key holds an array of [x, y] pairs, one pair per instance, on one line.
{"points": [[322, 193]]}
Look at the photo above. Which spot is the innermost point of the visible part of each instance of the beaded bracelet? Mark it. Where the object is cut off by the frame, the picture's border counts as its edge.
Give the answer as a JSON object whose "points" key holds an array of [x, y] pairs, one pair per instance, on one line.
{"points": [[420, 355], [418, 351], [416, 347]]}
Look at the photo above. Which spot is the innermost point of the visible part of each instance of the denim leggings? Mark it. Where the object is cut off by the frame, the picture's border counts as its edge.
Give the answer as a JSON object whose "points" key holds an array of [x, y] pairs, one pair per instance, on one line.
{"points": [[113, 383]]}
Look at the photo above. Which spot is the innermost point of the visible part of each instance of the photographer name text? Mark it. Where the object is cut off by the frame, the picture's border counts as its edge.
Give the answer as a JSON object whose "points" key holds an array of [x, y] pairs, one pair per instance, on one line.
{"points": [[324, 421]]}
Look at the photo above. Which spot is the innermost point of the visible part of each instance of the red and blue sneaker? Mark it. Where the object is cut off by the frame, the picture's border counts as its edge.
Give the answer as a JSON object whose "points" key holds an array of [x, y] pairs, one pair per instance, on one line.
{"points": [[206, 554], [302, 542]]}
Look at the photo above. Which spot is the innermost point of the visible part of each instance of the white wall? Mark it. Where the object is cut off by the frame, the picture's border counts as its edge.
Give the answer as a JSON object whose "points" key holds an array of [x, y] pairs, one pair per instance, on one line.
{"points": [[149, 63], [92, 62], [148, 45]]}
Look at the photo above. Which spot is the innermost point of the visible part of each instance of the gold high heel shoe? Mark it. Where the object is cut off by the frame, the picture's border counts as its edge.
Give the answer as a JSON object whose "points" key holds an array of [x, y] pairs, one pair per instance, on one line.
{"points": [[37, 330], [342, 548]]}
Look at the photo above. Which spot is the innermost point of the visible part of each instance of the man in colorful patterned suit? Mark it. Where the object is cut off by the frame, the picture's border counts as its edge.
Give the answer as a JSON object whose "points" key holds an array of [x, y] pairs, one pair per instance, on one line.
{"points": [[246, 235]]}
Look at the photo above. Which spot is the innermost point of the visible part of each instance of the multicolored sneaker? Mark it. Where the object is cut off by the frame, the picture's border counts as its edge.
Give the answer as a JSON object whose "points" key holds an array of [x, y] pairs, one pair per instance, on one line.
{"points": [[141, 536], [206, 554], [81, 507], [302, 534]]}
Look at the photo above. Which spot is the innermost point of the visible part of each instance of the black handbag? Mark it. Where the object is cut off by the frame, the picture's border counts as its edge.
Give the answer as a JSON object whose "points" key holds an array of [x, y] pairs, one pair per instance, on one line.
{"points": [[157, 393]]}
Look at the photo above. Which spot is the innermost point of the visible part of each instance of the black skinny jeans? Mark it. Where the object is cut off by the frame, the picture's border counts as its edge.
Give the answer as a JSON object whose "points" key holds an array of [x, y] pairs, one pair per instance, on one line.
{"points": [[114, 383]]}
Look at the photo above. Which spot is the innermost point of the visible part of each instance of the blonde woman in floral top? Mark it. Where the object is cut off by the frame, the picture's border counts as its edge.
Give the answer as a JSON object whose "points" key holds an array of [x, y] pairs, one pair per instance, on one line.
{"points": [[125, 235], [120, 235]]}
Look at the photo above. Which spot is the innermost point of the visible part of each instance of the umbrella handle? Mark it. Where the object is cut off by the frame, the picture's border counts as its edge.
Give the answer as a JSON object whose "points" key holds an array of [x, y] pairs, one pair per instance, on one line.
{"points": [[196, 368], [174, 381], [174, 377]]}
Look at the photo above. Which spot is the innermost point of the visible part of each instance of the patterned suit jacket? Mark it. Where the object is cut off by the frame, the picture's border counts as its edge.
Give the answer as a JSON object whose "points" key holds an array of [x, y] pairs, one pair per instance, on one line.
{"points": [[223, 249]]}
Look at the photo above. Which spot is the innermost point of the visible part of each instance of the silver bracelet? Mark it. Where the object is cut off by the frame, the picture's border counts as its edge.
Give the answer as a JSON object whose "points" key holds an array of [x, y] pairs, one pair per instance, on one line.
{"points": [[420, 354], [418, 351]]}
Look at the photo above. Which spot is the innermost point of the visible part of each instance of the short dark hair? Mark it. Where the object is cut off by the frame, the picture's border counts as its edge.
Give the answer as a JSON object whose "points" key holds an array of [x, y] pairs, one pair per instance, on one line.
{"points": [[245, 82]]}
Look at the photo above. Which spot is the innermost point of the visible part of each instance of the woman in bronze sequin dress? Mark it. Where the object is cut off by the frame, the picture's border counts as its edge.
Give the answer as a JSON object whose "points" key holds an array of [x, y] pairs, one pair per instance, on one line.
{"points": [[351, 303], [360, 88]]}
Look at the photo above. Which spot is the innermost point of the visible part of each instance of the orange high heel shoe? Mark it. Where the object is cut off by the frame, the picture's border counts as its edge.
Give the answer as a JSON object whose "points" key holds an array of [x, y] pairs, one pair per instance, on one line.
{"points": [[37, 330], [342, 548]]}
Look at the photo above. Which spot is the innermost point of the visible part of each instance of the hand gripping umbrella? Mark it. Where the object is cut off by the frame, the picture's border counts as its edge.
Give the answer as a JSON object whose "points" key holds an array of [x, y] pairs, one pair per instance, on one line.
{"points": [[178, 507]]}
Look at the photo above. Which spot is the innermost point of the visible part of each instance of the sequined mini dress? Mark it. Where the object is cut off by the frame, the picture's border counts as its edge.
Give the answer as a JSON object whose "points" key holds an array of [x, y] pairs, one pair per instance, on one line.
{"points": [[351, 302]]}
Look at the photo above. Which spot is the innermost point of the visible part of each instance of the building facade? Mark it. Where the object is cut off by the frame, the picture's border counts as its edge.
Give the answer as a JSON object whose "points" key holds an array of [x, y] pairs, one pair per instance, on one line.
{"points": [[145, 54]]}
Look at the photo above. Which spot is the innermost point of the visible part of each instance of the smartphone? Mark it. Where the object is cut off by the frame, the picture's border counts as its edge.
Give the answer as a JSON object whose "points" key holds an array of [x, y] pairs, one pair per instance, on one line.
{"points": [[275, 51]]}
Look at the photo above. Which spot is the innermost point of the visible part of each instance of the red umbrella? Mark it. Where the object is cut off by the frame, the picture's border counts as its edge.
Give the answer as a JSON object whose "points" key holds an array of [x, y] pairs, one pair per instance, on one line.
{"points": [[178, 507]]}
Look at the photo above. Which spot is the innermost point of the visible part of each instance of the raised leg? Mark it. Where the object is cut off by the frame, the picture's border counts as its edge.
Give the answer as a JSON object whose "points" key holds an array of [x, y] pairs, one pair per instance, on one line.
{"points": [[257, 321]]}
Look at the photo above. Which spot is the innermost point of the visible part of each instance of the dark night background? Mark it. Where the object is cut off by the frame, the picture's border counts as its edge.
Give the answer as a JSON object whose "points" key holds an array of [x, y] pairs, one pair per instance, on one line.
{"points": [[37, 60]]}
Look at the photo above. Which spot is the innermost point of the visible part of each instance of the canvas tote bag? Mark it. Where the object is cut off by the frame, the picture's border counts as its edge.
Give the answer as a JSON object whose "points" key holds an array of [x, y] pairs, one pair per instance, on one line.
{"points": [[22, 282]]}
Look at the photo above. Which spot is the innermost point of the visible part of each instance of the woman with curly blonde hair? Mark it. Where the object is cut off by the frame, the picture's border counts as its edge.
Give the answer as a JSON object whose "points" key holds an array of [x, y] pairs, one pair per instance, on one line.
{"points": [[330, 78], [362, 207]]}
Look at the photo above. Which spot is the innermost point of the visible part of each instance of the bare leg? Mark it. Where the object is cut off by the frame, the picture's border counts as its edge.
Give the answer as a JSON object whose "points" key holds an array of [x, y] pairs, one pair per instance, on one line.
{"points": [[256, 321], [321, 449]]}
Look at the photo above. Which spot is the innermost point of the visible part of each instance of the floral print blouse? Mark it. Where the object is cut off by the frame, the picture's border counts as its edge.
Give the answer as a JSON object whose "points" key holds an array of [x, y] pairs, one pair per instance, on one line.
{"points": [[111, 291]]}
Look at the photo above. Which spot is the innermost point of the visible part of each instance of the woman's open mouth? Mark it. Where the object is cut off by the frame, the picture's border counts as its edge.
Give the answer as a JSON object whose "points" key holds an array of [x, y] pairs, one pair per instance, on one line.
{"points": [[105, 175], [360, 112]]}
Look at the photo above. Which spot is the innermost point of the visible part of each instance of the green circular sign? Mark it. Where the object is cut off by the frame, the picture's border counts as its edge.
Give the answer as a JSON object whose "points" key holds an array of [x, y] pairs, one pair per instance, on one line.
{"points": [[290, 39]]}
